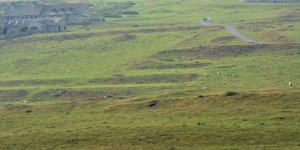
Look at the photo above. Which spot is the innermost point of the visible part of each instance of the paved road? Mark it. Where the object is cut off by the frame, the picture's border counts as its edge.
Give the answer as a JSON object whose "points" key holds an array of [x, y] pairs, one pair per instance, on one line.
{"points": [[233, 31]]}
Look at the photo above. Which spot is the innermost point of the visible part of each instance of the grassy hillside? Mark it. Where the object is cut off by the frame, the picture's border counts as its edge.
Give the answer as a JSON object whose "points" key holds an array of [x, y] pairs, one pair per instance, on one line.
{"points": [[90, 88], [245, 121]]}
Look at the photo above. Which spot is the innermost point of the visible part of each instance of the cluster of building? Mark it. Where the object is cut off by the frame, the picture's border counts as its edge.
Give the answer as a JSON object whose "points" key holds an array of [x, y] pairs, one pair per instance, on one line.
{"points": [[18, 18]]}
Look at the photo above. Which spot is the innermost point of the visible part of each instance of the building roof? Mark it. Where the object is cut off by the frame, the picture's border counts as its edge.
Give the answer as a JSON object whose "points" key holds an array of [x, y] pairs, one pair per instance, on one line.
{"points": [[17, 23], [27, 22], [63, 8], [23, 10], [46, 9]]}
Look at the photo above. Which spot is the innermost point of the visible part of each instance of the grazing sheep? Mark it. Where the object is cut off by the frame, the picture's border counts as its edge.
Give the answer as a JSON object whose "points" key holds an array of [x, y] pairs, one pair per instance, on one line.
{"points": [[233, 75], [290, 84], [218, 73], [174, 70], [25, 101]]}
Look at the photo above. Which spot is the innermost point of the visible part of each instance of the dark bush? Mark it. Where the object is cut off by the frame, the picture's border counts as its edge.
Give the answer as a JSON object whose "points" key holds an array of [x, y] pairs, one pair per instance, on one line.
{"points": [[199, 123], [200, 96], [24, 29], [231, 93], [34, 28], [130, 13], [152, 104], [28, 111]]}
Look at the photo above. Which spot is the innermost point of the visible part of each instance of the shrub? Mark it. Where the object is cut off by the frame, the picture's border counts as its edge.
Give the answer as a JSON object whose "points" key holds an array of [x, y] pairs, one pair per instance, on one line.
{"points": [[231, 93], [34, 28], [200, 96], [23, 29], [130, 13], [28, 111], [199, 123]]}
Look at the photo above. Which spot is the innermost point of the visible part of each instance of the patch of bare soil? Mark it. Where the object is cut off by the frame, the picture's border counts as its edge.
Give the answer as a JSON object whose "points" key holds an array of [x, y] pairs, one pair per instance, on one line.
{"points": [[275, 37], [12, 95], [227, 50], [123, 37], [186, 40], [21, 40], [165, 78], [254, 26], [142, 64], [291, 17], [287, 28], [72, 95], [12, 107], [153, 65], [223, 39], [34, 82]]}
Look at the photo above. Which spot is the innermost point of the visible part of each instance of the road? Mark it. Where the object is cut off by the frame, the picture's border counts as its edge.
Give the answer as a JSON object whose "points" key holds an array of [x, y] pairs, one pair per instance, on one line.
{"points": [[233, 31]]}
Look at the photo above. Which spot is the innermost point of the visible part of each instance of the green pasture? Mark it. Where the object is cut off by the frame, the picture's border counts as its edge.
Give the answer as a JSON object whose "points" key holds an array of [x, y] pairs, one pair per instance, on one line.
{"points": [[90, 87]]}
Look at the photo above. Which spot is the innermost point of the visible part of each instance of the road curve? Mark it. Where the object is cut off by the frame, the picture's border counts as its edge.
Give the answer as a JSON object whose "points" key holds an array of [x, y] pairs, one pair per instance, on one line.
{"points": [[233, 31]]}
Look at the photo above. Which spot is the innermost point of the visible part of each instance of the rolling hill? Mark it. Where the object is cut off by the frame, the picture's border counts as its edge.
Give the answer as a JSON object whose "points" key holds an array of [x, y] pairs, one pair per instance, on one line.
{"points": [[156, 79]]}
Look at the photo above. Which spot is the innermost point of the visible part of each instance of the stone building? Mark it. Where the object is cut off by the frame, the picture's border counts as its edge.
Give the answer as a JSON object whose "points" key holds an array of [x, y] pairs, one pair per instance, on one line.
{"points": [[18, 26], [73, 13]]}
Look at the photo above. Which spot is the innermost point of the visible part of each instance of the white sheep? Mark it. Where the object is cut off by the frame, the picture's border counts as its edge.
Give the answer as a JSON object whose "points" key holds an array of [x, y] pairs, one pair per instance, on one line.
{"points": [[218, 73], [290, 84], [174, 70], [25, 101]]}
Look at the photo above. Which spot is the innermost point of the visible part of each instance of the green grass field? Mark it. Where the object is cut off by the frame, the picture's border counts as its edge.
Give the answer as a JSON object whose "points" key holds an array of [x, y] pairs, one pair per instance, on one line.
{"points": [[91, 87]]}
